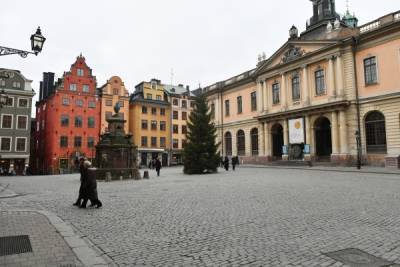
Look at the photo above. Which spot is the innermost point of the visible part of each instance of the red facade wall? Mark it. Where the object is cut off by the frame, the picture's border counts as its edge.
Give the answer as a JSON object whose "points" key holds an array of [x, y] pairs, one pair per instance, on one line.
{"points": [[50, 155]]}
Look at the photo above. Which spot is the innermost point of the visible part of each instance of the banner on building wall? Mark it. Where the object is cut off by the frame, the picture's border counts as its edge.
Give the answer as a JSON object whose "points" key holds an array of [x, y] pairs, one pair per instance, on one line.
{"points": [[296, 131]]}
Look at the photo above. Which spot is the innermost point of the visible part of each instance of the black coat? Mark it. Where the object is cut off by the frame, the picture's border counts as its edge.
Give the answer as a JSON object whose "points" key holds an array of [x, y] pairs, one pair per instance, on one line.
{"points": [[158, 165], [89, 185]]}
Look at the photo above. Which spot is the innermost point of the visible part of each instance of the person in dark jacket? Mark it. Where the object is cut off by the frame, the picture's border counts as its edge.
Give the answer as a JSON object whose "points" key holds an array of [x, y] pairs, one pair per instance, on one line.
{"points": [[80, 197], [89, 190], [226, 163], [235, 161], [158, 166]]}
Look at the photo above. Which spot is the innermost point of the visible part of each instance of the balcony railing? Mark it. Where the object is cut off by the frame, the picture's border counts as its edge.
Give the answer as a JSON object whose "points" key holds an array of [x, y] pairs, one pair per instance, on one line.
{"points": [[379, 22]]}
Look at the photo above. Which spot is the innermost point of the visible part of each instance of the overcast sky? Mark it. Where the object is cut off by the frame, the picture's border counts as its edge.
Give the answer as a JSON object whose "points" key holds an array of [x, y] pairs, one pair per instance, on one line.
{"points": [[203, 41]]}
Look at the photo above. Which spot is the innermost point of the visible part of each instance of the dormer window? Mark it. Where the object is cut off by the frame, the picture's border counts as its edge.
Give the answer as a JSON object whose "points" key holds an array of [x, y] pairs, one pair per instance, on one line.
{"points": [[80, 72], [16, 85]]}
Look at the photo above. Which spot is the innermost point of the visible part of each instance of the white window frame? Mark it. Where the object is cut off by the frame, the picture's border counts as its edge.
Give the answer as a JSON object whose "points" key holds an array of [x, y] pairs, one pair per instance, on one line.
{"points": [[16, 85], [16, 142], [80, 72], [2, 82], [27, 99], [27, 122], [376, 66], [74, 86], [85, 86], [1, 140], [12, 121], [65, 104]]}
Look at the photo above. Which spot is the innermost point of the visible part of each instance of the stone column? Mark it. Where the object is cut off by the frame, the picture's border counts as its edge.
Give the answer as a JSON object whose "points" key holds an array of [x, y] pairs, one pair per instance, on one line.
{"points": [[261, 140], [285, 137], [335, 134], [306, 87], [307, 156], [267, 137], [283, 92], [344, 149], [268, 102], [259, 97], [247, 142], [331, 80], [234, 143], [339, 77], [265, 96]]}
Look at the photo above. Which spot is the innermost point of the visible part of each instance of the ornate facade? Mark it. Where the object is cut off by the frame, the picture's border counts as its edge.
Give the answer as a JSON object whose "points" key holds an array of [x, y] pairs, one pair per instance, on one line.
{"points": [[312, 97]]}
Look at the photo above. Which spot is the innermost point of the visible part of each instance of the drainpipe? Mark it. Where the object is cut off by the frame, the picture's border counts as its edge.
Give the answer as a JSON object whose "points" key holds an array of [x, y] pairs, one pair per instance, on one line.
{"points": [[355, 42]]}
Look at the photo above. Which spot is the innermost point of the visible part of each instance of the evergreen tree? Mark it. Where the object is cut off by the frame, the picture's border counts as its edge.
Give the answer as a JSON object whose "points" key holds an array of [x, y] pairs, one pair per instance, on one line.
{"points": [[200, 153]]}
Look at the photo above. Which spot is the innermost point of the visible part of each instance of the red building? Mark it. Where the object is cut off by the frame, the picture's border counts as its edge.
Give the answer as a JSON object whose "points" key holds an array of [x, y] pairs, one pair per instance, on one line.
{"points": [[67, 120]]}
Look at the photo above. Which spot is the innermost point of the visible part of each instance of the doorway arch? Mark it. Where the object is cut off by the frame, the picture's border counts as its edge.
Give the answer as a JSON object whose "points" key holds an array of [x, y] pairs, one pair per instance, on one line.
{"points": [[323, 138], [277, 141]]}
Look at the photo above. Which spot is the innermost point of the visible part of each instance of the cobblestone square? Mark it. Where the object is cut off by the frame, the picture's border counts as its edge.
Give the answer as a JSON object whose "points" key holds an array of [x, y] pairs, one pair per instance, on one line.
{"points": [[251, 217]]}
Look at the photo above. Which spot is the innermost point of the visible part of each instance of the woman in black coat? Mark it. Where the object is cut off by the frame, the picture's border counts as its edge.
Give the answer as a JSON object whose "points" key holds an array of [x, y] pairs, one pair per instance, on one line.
{"points": [[89, 187]]}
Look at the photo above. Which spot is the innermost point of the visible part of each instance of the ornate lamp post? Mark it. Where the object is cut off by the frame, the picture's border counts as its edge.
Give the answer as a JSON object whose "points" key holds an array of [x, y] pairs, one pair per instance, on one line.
{"points": [[37, 41], [3, 98]]}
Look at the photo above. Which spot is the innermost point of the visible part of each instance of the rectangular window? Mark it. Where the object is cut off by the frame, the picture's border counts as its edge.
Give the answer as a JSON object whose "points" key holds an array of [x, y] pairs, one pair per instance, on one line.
{"points": [[175, 143], [154, 125], [6, 121], [158, 97], [239, 105], [77, 141], [20, 145], [85, 88], [144, 141], [370, 71], [149, 96], [320, 82], [5, 144], [153, 141], [276, 94], [16, 84], [154, 111], [91, 122], [79, 102], [109, 103], [92, 104], [175, 102], [163, 126], [144, 125], [10, 102], [213, 111], [296, 88], [192, 104], [22, 122], [184, 129], [2, 82], [162, 142], [80, 72], [23, 102], [162, 111], [253, 97], [64, 120], [175, 128], [227, 112], [184, 116], [184, 104], [108, 114], [90, 142], [78, 121], [175, 115], [63, 141], [72, 87], [65, 101], [184, 143], [144, 110], [115, 91]]}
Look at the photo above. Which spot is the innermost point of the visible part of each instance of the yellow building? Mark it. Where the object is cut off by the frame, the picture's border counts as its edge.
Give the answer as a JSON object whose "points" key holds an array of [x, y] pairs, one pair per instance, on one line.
{"points": [[149, 121], [181, 101], [328, 94], [111, 93]]}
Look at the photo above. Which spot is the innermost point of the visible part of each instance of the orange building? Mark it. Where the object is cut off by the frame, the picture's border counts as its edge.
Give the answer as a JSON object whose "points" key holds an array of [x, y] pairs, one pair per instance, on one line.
{"points": [[111, 93], [68, 120]]}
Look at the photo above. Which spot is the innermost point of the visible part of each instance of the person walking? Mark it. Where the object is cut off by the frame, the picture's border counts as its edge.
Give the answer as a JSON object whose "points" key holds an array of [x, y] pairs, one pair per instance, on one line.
{"points": [[158, 166], [80, 196], [235, 161], [89, 190], [226, 163]]}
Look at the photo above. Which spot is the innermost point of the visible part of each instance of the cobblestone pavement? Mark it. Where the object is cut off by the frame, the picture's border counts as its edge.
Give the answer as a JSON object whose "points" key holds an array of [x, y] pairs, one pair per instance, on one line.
{"points": [[48, 247], [251, 217]]}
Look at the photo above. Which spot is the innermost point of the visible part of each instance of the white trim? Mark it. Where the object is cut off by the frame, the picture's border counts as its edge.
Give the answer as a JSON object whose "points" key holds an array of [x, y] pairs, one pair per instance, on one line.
{"points": [[12, 121], [1, 137], [16, 142], [27, 99], [27, 122]]}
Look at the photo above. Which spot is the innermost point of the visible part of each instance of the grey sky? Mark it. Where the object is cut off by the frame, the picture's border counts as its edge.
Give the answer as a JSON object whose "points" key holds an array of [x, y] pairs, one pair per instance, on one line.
{"points": [[203, 41]]}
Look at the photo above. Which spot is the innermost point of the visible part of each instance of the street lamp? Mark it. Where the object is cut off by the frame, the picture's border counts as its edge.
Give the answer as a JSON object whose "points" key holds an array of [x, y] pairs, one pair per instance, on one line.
{"points": [[3, 98], [37, 41]]}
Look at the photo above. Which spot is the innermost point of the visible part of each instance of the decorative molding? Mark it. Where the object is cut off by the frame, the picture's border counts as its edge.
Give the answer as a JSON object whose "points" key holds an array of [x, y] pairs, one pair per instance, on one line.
{"points": [[292, 53]]}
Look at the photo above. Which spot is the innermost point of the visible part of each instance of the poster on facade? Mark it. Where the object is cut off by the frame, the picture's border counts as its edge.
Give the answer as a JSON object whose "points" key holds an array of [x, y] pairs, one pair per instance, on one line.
{"points": [[296, 131]]}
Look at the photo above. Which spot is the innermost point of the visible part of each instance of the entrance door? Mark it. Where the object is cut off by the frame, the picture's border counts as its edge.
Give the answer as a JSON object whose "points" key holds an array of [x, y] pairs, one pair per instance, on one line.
{"points": [[277, 141], [165, 160], [143, 159], [323, 140], [19, 166]]}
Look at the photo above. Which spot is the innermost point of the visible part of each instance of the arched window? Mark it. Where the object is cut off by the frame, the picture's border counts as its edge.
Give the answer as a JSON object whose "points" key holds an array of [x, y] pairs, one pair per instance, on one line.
{"points": [[240, 141], [228, 144], [375, 132], [254, 142]]}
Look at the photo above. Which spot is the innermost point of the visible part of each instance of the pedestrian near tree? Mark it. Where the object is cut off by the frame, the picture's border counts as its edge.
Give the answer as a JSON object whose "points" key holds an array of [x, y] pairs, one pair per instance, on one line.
{"points": [[158, 166], [235, 161], [226, 163]]}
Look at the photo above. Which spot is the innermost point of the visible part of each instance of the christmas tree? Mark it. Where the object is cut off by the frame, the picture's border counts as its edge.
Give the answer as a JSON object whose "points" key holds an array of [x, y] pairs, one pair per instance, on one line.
{"points": [[200, 153]]}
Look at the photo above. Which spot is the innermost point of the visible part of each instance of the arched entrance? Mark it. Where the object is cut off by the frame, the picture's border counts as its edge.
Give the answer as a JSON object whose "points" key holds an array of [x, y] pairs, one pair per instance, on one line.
{"points": [[228, 144], [277, 141], [241, 143], [323, 138]]}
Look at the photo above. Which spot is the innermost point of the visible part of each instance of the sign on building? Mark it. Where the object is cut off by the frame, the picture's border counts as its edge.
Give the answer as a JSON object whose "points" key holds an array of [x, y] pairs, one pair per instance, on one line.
{"points": [[296, 131]]}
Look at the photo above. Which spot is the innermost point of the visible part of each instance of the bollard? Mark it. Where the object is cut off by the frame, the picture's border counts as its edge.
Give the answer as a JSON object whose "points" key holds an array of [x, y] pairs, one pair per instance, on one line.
{"points": [[146, 175], [108, 176]]}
